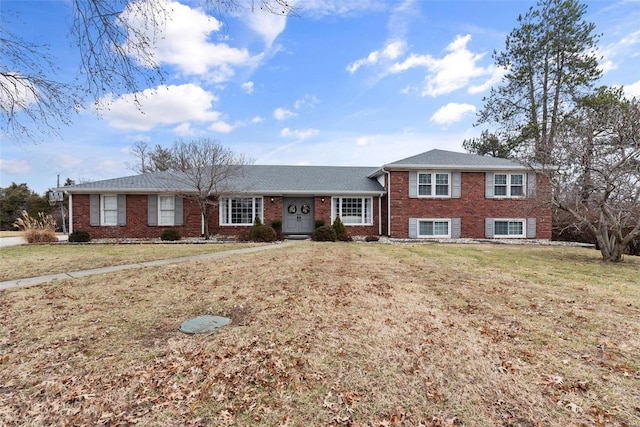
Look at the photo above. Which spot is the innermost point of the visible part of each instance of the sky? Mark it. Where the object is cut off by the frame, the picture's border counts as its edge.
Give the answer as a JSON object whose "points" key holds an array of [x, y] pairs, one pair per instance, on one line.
{"points": [[340, 83]]}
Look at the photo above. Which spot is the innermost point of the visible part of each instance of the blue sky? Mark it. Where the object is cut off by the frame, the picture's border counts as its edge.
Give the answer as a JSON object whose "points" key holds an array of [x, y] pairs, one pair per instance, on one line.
{"points": [[345, 82]]}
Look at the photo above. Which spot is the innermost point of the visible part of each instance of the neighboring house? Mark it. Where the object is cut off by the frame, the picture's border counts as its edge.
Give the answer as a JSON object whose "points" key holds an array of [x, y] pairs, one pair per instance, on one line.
{"points": [[437, 194]]}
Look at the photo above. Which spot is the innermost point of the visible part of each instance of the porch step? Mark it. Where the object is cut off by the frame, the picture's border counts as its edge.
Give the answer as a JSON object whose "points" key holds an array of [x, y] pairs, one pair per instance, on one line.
{"points": [[298, 236]]}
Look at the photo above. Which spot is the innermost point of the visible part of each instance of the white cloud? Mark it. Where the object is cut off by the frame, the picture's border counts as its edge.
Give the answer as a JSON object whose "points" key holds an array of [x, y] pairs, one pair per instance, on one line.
{"points": [[336, 8], [496, 77], [18, 93], [183, 129], [221, 127], [15, 166], [247, 87], [623, 47], [633, 90], [298, 134], [283, 114], [257, 119], [449, 73], [392, 51], [267, 24], [451, 113], [184, 42], [308, 101], [166, 105]]}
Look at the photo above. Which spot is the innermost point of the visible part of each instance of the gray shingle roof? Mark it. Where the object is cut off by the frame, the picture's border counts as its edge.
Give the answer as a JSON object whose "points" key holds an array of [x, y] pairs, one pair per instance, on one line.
{"points": [[258, 179], [450, 159]]}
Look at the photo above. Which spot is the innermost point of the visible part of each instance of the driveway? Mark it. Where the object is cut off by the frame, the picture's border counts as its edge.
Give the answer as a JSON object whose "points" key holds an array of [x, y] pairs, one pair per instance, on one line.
{"points": [[15, 241]]}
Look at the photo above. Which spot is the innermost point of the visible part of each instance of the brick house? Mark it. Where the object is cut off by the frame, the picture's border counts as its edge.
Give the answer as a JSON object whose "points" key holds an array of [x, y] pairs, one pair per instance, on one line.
{"points": [[436, 194]]}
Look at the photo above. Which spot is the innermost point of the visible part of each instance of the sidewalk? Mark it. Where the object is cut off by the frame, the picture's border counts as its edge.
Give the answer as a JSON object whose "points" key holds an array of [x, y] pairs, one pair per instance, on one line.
{"points": [[30, 281]]}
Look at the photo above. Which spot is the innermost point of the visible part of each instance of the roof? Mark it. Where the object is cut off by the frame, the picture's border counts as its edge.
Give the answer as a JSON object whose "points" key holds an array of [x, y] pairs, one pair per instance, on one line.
{"points": [[442, 159], [257, 179]]}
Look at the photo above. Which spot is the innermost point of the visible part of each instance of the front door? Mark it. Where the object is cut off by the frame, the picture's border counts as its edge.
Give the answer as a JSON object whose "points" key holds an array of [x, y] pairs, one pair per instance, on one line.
{"points": [[298, 215]]}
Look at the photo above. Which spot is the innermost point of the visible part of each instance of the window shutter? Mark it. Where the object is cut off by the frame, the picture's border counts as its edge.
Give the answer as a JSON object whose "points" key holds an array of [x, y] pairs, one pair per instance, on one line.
{"points": [[152, 209], [94, 209], [178, 218], [531, 228], [488, 185], [122, 209], [456, 228], [413, 184], [531, 185], [413, 228], [488, 228], [456, 185]]}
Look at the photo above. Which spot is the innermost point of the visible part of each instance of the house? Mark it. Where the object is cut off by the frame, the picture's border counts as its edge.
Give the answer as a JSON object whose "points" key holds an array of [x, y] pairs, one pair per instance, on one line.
{"points": [[436, 194]]}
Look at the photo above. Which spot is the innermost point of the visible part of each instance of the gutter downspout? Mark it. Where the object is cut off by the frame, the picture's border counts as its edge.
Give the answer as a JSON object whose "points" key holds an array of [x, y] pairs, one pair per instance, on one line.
{"points": [[380, 215], [388, 182], [70, 213]]}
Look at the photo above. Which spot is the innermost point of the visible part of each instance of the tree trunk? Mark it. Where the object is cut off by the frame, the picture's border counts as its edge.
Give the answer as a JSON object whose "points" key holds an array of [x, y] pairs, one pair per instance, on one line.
{"points": [[611, 248]]}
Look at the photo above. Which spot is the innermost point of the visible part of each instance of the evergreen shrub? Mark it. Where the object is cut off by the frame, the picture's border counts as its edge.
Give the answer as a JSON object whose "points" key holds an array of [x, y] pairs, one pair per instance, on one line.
{"points": [[324, 233]]}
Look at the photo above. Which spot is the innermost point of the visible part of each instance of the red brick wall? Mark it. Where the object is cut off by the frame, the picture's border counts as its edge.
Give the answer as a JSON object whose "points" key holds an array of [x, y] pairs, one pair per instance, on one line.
{"points": [[472, 207], [137, 226]]}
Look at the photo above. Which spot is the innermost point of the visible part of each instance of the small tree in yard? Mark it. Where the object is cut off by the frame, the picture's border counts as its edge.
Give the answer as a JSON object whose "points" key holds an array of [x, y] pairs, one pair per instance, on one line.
{"points": [[208, 169], [598, 177]]}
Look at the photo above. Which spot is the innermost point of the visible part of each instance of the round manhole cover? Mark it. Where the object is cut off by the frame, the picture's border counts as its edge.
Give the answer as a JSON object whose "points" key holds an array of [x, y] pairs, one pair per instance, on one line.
{"points": [[202, 324]]}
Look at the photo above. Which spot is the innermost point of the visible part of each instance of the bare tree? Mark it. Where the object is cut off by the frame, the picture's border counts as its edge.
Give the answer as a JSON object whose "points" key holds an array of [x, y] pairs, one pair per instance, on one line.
{"points": [[209, 170], [115, 40], [598, 177]]}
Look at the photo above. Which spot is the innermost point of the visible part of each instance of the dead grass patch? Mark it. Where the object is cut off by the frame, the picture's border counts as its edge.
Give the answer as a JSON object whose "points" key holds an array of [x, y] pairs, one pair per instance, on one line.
{"points": [[332, 334], [24, 261]]}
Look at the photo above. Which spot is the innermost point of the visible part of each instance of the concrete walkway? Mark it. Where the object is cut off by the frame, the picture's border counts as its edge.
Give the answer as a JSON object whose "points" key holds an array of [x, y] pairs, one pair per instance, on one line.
{"points": [[83, 273]]}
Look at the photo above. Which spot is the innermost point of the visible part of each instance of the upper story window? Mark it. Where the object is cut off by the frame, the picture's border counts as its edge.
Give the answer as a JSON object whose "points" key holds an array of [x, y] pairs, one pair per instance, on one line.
{"points": [[433, 184], [109, 210], [352, 210], [166, 210], [508, 185], [240, 210]]}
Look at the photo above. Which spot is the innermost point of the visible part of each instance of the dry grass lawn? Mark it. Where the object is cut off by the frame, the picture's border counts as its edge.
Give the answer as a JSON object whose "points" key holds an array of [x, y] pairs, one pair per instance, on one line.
{"points": [[332, 334], [38, 260]]}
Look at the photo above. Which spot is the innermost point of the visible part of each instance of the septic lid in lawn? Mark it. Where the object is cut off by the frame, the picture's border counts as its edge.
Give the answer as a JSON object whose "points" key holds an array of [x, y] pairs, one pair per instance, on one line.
{"points": [[202, 324]]}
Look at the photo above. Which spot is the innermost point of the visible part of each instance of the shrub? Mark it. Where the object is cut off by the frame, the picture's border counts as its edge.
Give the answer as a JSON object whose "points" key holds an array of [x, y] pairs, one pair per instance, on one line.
{"points": [[257, 222], [341, 230], [37, 230], [170, 234], [324, 234], [372, 238], [319, 223], [262, 233], [277, 225], [79, 236]]}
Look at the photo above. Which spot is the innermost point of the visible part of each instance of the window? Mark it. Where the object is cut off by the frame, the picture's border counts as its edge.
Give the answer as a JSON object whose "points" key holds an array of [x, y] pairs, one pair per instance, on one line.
{"points": [[434, 228], [240, 210], [509, 228], [352, 210], [110, 210], [508, 185], [433, 184], [166, 210]]}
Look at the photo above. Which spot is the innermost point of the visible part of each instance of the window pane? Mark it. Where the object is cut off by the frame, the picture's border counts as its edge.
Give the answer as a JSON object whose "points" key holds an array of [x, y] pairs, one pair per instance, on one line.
{"points": [[424, 184], [441, 228], [515, 228], [426, 228], [242, 211], [367, 211], [167, 202], [517, 185], [352, 210], [442, 184], [500, 179], [501, 228], [109, 210]]}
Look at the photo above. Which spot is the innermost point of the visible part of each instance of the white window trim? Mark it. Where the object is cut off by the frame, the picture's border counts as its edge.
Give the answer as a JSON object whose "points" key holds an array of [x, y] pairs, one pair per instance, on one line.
{"points": [[333, 210], [434, 236], [433, 185], [102, 210], [508, 195], [227, 200], [510, 236], [160, 223]]}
